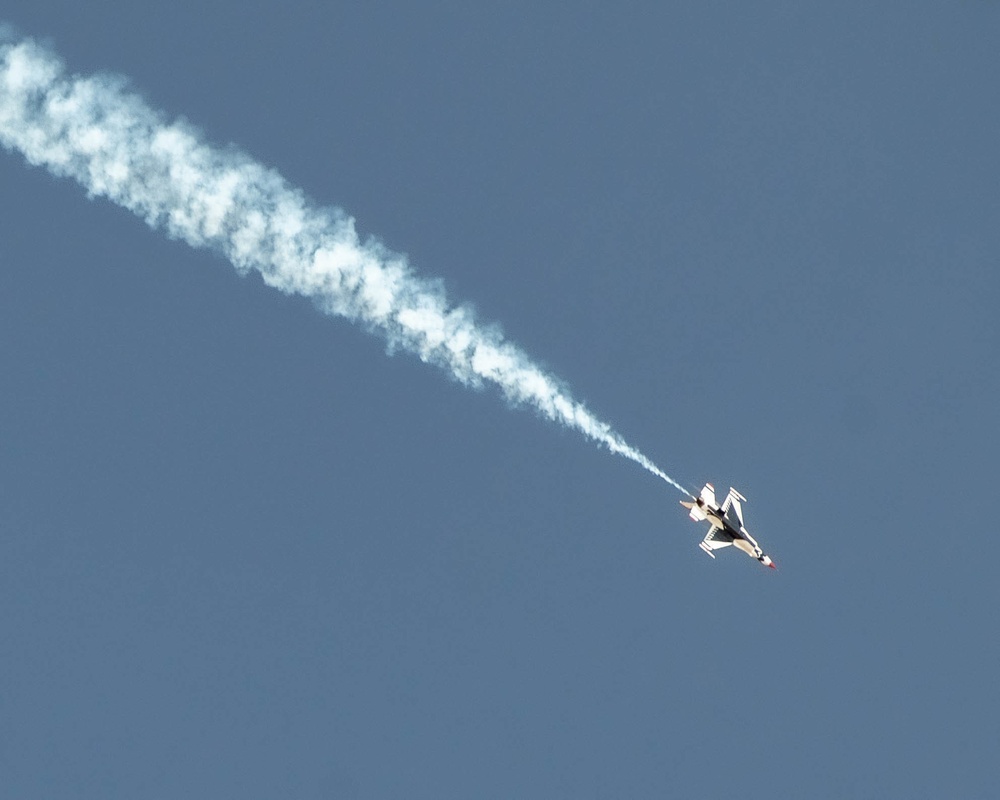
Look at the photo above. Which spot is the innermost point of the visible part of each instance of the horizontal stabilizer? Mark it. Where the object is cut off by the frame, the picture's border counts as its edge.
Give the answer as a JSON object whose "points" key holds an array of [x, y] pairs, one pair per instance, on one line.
{"points": [[697, 514]]}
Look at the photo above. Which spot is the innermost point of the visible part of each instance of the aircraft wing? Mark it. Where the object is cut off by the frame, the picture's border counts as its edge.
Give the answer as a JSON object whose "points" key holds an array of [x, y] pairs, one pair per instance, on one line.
{"points": [[732, 508], [716, 539]]}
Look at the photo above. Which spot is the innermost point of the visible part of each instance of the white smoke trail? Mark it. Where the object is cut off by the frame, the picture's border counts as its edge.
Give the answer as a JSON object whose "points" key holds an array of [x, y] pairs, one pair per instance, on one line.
{"points": [[93, 130]]}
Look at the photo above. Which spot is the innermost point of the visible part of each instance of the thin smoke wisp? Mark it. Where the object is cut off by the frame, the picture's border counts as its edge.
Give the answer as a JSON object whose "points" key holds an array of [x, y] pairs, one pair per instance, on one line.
{"points": [[95, 131]]}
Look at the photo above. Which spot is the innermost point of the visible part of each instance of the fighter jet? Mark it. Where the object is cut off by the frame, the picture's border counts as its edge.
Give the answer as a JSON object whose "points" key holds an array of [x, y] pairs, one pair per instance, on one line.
{"points": [[726, 522]]}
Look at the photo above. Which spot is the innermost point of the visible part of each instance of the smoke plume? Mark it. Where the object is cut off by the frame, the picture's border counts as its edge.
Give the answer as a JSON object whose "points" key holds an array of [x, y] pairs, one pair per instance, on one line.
{"points": [[94, 130]]}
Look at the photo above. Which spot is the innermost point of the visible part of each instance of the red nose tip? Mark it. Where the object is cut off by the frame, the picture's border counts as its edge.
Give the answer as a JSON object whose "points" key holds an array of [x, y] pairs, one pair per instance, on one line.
{"points": [[772, 565]]}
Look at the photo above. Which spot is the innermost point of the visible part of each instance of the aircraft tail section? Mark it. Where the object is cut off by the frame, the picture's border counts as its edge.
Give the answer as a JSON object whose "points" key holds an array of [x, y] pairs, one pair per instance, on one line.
{"points": [[696, 513]]}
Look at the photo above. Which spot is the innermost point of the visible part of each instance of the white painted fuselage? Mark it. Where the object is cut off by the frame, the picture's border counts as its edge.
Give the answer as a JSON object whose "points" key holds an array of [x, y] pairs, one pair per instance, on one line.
{"points": [[726, 524]]}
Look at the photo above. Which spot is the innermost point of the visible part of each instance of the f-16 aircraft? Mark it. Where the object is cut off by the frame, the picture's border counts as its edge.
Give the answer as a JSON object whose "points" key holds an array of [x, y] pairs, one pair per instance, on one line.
{"points": [[726, 521]]}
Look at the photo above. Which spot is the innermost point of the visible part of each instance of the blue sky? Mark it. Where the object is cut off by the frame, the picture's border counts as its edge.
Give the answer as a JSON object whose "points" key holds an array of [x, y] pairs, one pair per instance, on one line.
{"points": [[245, 553]]}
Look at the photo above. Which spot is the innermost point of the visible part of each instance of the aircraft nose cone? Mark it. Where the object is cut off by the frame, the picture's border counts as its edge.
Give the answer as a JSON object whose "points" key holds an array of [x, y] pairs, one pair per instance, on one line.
{"points": [[772, 565]]}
